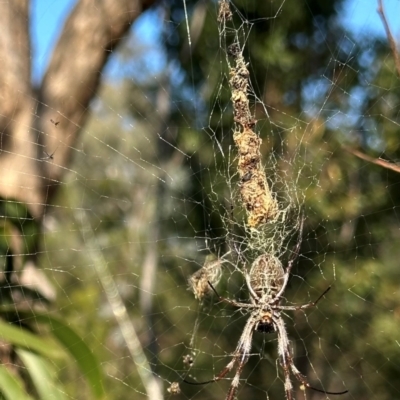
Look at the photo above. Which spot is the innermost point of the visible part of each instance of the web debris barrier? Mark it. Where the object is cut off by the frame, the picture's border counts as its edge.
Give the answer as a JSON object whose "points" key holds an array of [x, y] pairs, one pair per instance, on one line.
{"points": [[256, 195], [211, 271]]}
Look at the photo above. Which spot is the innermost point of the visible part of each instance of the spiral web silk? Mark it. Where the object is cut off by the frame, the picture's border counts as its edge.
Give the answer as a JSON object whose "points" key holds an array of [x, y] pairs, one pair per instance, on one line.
{"points": [[285, 172], [265, 199]]}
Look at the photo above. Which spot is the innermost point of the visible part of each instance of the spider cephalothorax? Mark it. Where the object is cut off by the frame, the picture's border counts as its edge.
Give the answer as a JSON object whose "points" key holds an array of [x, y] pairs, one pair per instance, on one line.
{"points": [[266, 283]]}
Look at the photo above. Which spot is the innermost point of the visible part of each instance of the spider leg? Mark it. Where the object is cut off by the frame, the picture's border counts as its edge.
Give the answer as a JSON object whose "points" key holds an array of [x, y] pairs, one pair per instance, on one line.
{"points": [[233, 302], [235, 382], [287, 362], [301, 378], [240, 356], [253, 294], [221, 375], [284, 351], [293, 258], [308, 305]]}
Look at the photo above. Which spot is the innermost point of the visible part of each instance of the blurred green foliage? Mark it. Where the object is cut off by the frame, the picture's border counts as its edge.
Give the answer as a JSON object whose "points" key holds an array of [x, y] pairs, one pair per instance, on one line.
{"points": [[156, 183]]}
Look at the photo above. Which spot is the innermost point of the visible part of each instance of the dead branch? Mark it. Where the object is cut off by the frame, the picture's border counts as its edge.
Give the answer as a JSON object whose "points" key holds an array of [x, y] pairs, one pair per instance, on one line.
{"points": [[389, 35], [376, 161], [90, 35]]}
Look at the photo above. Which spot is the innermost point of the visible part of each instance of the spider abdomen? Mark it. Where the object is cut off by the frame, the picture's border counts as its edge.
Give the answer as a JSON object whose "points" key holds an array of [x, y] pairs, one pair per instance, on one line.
{"points": [[266, 276]]}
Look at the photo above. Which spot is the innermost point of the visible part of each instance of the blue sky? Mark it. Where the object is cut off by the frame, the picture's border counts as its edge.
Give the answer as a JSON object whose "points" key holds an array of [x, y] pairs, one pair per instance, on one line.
{"points": [[48, 17]]}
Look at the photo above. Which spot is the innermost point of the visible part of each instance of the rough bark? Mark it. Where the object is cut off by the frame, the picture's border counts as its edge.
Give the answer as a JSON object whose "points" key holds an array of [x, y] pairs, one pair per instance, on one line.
{"points": [[34, 122], [91, 33]]}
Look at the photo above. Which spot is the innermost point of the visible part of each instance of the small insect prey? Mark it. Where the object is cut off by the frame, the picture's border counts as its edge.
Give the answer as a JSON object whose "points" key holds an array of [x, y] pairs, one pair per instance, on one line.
{"points": [[234, 50], [211, 271], [54, 122], [174, 388], [49, 156]]}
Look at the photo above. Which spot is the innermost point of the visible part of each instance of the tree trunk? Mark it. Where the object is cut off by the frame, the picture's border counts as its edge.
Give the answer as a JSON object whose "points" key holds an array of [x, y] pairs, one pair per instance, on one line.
{"points": [[91, 33], [39, 127]]}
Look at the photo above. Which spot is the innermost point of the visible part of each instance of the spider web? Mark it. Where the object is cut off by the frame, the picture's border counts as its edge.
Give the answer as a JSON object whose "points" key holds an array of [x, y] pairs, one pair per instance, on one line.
{"points": [[153, 196], [244, 241]]}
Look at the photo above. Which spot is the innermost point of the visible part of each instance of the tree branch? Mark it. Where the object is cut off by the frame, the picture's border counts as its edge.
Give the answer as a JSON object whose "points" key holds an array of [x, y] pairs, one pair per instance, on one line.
{"points": [[91, 33], [376, 161], [15, 61], [389, 35]]}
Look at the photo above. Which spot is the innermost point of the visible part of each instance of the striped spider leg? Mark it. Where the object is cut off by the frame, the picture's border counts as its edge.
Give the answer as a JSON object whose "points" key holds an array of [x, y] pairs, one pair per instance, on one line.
{"points": [[266, 283]]}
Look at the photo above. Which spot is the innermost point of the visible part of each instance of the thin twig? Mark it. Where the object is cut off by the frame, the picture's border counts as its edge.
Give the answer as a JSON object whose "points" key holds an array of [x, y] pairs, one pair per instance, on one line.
{"points": [[389, 35], [128, 331], [376, 161]]}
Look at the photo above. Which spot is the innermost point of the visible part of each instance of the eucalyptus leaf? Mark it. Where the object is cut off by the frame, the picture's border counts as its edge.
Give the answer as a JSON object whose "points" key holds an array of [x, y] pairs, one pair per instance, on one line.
{"points": [[43, 375], [21, 337], [11, 386], [76, 347]]}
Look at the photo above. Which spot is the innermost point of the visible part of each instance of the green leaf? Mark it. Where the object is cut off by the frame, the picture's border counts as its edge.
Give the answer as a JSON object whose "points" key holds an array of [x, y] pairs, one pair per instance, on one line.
{"points": [[11, 386], [20, 337], [65, 335], [43, 375], [78, 349]]}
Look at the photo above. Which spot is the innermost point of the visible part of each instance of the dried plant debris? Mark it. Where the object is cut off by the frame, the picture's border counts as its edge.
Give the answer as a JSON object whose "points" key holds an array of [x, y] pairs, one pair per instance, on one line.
{"points": [[255, 193], [224, 11], [187, 361], [174, 388], [211, 271]]}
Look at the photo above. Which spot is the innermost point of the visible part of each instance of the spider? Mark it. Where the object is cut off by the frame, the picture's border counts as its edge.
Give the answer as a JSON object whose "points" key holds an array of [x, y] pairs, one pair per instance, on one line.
{"points": [[266, 283]]}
